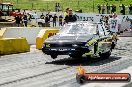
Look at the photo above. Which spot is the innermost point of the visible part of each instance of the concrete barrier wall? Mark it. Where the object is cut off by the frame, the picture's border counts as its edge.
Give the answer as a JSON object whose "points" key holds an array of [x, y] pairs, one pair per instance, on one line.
{"points": [[30, 33], [43, 35], [13, 45]]}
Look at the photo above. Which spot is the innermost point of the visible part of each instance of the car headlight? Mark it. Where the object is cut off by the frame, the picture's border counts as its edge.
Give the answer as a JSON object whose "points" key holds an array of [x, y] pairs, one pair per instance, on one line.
{"points": [[46, 45], [74, 45]]}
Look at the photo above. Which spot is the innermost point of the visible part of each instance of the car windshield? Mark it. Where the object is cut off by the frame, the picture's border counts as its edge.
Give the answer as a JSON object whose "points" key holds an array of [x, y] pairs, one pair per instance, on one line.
{"points": [[78, 29]]}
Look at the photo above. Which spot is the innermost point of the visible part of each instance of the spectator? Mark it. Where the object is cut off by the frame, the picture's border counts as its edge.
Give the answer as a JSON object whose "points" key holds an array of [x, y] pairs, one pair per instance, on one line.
{"points": [[24, 12], [70, 17], [54, 20], [25, 20], [123, 9], [18, 20], [130, 9], [29, 16], [66, 12], [113, 10], [35, 15], [108, 8], [130, 23], [60, 20], [56, 7], [99, 8], [42, 16], [50, 16], [114, 24], [103, 9], [47, 20]]}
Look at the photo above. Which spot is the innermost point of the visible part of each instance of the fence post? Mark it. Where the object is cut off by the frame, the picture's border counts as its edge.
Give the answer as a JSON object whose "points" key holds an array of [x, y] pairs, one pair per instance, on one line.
{"points": [[93, 5], [62, 6], [17, 1], [47, 6], [78, 5], [32, 5]]}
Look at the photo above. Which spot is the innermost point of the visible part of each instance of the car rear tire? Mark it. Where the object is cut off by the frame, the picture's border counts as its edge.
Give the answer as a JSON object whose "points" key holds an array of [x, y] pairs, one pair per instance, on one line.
{"points": [[53, 56], [105, 55]]}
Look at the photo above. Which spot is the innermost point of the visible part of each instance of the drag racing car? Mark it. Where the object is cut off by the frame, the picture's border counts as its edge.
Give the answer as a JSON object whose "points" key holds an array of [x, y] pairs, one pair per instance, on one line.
{"points": [[81, 39]]}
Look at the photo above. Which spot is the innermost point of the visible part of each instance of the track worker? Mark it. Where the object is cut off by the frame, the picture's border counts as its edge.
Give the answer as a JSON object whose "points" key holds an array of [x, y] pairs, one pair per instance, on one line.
{"points": [[18, 20], [54, 20], [114, 24], [47, 21], [70, 17], [25, 20], [60, 20], [66, 12]]}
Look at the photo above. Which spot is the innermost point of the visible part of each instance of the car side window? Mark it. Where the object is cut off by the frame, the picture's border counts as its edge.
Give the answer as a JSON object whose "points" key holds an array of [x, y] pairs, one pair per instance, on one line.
{"points": [[100, 30]]}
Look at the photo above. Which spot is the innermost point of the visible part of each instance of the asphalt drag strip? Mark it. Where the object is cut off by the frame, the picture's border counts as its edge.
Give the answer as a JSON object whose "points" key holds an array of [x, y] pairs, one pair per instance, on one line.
{"points": [[35, 69]]}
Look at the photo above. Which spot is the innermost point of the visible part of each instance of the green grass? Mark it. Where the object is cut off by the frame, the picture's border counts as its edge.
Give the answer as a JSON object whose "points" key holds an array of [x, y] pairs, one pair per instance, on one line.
{"points": [[85, 5]]}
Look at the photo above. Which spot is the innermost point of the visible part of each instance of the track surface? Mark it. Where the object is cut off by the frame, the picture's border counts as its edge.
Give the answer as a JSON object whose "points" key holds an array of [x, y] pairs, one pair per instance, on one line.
{"points": [[35, 69]]}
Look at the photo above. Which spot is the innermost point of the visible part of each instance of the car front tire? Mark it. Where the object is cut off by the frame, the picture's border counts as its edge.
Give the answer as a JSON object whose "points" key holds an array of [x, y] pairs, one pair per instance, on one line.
{"points": [[105, 55], [53, 56]]}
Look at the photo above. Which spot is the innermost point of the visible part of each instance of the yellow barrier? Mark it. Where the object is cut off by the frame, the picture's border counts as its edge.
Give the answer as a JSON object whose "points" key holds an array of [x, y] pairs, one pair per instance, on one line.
{"points": [[2, 31], [13, 45], [43, 35]]}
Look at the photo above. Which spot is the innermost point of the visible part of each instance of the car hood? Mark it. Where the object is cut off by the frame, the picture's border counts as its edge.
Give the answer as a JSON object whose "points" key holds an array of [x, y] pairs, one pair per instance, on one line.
{"points": [[68, 38]]}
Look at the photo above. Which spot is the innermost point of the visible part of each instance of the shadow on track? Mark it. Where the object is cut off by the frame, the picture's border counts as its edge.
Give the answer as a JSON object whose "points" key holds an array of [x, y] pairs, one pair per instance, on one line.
{"points": [[84, 61]]}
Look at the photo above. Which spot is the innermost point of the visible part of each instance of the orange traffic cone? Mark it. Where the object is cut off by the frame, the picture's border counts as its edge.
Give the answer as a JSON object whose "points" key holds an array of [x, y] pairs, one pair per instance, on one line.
{"points": [[81, 70]]}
